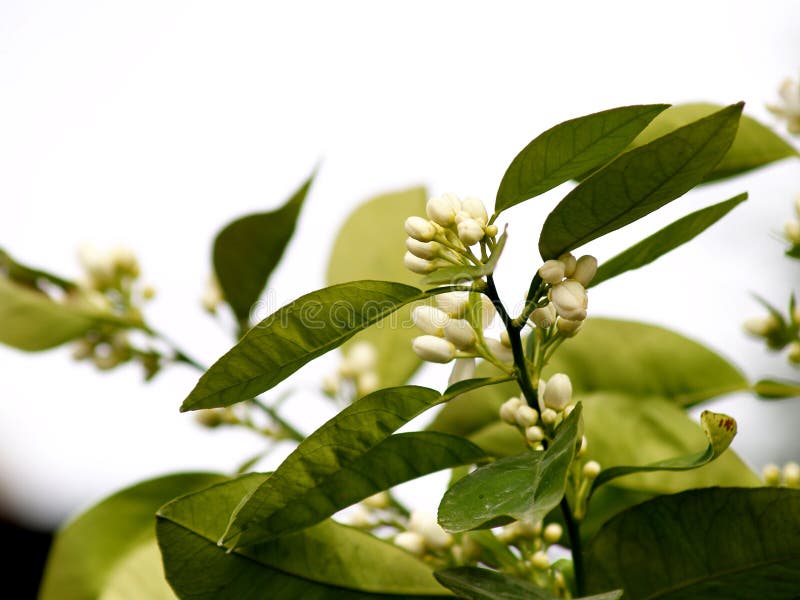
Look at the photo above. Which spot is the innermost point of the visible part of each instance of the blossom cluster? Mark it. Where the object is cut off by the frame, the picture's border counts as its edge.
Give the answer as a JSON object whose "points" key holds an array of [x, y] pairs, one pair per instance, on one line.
{"points": [[789, 109], [567, 278]]}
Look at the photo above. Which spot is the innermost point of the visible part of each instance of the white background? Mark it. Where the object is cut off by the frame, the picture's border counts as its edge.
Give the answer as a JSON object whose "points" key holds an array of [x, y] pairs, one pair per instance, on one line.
{"points": [[154, 123]]}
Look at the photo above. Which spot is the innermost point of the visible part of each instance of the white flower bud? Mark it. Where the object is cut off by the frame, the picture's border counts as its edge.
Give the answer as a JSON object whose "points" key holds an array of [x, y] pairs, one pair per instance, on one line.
{"points": [[470, 232], [410, 541], [426, 250], [491, 230], [591, 469], [124, 261], [585, 270], [418, 265], [498, 350], [476, 210], [454, 304], [584, 444], [552, 271], [459, 332], [330, 384], [368, 382], [569, 328], [212, 295], [424, 523], [98, 265], [429, 319], [526, 416], [568, 410], [549, 416], [463, 369], [378, 501], [553, 533], [791, 475], [544, 316], [794, 352], [534, 434], [504, 339], [488, 311], [540, 561], [761, 326], [558, 393], [772, 475], [442, 210], [433, 349], [420, 229], [570, 300], [791, 229], [569, 263], [362, 357], [529, 529], [360, 517], [508, 410]]}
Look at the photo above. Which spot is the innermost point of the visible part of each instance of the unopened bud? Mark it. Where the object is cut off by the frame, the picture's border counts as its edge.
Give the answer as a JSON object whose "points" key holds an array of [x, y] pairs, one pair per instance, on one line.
{"points": [[794, 352], [442, 210], [460, 333], [410, 541], [470, 232], [761, 326], [424, 523], [488, 311], [330, 384], [504, 339], [433, 349], [544, 316], [552, 533], [584, 444], [585, 270], [791, 475], [378, 501], [534, 434], [426, 250], [476, 210], [498, 350], [491, 230], [454, 304], [420, 229], [540, 561], [569, 328], [591, 469], [368, 382], [362, 357], [429, 319], [772, 475], [508, 410], [569, 263], [526, 416], [418, 265], [570, 300], [549, 416], [359, 517], [791, 229], [552, 271], [558, 392]]}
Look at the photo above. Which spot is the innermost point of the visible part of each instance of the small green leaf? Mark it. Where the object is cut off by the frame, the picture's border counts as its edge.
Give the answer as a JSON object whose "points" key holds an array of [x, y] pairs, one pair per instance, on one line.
{"points": [[113, 541], [349, 458], [247, 250], [325, 562], [732, 543], [294, 335], [755, 145], [464, 273], [665, 240], [482, 584], [623, 430], [638, 182], [719, 430], [570, 149], [370, 245], [772, 389], [523, 487]]}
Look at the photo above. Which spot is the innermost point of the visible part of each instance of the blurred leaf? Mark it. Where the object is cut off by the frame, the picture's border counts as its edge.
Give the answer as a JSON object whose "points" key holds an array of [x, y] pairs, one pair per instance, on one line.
{"points": [[523, 487], [482, 584], [638, 182], [719, 430], [772, 389], [349, 458], [714, 543], [626, 430], [294, 335], [665, 240], [327, 561], [755, 145], [247, 250], [139, 576], [112, 542], [570, 149], [370, 245], [30, 276]]}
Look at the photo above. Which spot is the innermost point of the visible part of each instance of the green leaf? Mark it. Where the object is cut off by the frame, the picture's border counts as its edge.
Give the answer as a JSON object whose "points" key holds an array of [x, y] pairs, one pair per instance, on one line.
{"points": [[734, 543], [523, 487], [325, 562], [464, 273], [482, 584], [755, 145], [349, 458], [140, 575], [370, 245], [623, 430], [112, 542], [30, 276], [247, 250], [665, 240], [719, 430], [772, 389], [570, 149], [638, 182], [294, 335]]}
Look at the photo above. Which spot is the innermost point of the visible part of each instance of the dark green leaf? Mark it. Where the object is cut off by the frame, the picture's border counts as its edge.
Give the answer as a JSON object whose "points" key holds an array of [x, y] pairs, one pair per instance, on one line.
{"points": [[346, 460], [754, 146], [719, 430], [324, 562], [482, 584], [665, 240], [627, 430], [773, 389], [114, 540], [294, 335], [570, 149], [377, 225], [732, 543], [467, 273], [638, 182], [247, 251], [523, 487]]}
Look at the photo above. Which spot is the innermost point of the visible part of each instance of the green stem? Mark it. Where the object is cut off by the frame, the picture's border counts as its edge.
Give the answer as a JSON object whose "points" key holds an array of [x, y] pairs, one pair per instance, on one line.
{"points": [[293, 433], [573, 531]]}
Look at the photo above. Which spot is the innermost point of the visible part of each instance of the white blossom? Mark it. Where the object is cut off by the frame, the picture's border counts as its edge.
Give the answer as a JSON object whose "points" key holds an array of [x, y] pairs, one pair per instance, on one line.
{"points": [[591, 469], [410, 541], [526, 416], [442, 210], [475, 209], [544, 316], [558, 392], [552, 271], [552, 533], [433, 349], [453, 303], [585, 270], [460, 333], [420, 229], [429, 319], [426, 250], [470, 232], [570, 299], [424, 523], [418, 265], [569, 263]]}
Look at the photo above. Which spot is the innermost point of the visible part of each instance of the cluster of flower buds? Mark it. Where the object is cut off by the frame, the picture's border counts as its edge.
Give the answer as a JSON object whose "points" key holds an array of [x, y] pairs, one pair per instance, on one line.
{"points": [[789, 109], [791, 229], [424, 534], [454, 330], [356, 371], [444, 238], [567, 278], [777, 331], [788, 476]]}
